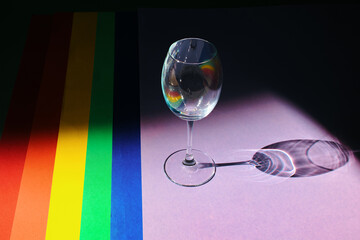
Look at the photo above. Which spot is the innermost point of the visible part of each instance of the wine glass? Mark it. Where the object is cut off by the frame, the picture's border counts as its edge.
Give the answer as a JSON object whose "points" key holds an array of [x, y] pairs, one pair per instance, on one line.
{"points": [[191, 82]]}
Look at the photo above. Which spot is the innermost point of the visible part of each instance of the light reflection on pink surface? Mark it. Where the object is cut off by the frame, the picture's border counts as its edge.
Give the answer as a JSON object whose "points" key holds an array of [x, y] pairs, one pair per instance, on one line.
{"points": [[233, 205]]}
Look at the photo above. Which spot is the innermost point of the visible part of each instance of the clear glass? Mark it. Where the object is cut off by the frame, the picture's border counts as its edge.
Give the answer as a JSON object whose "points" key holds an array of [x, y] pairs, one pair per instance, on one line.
{"points": [[191, 82]]}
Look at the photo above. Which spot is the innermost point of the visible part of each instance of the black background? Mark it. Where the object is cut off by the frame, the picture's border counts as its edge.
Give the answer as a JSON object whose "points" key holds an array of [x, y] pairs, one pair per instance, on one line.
{"points": [[305, 51], [307, 54]]}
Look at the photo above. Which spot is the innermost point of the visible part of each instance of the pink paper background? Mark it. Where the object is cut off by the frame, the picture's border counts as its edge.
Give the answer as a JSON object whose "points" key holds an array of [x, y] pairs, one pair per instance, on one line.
{"points": [[241, 202]]}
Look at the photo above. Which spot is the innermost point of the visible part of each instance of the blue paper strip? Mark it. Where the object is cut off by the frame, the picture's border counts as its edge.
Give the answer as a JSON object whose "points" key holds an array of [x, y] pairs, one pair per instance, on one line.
{"points": [[126, 195]]}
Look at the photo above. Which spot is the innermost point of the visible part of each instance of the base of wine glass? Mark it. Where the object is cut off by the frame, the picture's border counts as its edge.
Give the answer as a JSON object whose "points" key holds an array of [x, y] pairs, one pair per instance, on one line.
{"points": [[189, 175]]}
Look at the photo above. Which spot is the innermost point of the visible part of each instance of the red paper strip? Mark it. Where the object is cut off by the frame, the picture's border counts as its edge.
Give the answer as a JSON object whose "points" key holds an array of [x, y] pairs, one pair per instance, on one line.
{"points": [[34, 195], [16, 134]]}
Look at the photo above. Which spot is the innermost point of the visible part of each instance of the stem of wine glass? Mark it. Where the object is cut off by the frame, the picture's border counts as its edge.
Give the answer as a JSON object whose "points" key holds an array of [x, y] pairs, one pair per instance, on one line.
{"points": [[189, 158]]}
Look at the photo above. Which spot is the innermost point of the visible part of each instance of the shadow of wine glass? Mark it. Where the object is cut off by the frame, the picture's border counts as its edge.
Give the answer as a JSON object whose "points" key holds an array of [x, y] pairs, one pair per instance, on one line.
{"points": [[295, 158], [309, 157]]}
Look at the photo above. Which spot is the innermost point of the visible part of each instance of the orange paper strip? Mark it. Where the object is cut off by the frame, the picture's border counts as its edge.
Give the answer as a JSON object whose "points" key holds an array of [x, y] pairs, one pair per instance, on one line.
{"points": [[16, 134], [34, 195]]}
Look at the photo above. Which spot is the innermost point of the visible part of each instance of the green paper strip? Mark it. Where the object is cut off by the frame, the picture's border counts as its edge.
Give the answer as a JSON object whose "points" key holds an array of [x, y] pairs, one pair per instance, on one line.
{"points": [[95, 219]]}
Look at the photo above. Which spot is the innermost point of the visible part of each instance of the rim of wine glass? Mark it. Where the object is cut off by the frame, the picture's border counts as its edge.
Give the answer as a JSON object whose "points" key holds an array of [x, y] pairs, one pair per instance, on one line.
{"points": [[196, 63]]}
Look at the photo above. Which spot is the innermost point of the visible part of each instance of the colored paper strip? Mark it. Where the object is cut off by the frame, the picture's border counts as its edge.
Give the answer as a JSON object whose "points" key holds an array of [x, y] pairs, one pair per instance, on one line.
{"points": [[14, 32], [126, 200], [17, 128], [34, 195], [96, 208], [68, 178]]}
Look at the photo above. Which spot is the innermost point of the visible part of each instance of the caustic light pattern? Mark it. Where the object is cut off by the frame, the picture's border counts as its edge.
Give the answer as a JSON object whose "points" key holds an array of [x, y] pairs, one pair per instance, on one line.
{"points": [[58, 167]]}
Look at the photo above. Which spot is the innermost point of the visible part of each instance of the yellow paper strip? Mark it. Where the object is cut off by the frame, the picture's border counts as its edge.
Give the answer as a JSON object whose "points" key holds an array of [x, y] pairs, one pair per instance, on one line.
{"points": [[68, 180]]}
